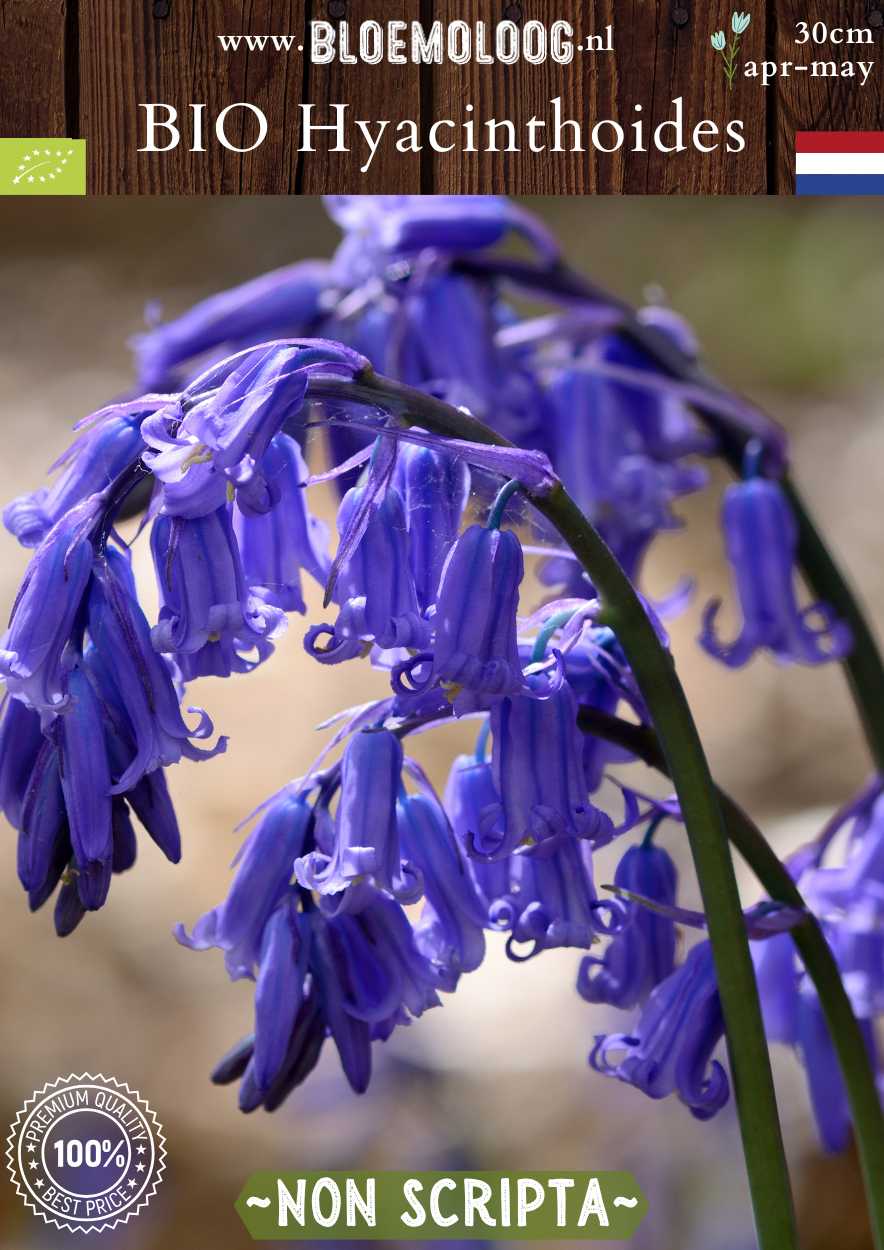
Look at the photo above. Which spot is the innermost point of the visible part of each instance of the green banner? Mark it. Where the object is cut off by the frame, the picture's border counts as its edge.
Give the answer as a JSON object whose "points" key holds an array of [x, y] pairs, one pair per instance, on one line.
{"points": [[42, 166], [404, 1206]]}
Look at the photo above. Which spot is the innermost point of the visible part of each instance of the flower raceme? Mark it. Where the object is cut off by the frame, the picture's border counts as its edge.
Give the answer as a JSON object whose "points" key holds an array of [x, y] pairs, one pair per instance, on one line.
{"points": [[427, 583], [761, 539]]}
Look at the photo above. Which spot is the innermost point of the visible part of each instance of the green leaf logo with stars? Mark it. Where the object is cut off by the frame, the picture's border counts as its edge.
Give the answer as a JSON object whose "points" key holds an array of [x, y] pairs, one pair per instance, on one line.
{"points": [[42, 166]]}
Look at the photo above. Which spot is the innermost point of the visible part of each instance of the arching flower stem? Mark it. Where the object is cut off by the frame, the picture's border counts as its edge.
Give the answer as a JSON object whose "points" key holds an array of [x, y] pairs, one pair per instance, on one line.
{"points": [[498, 508], [543, 638], [864, 664], [810, 942], [688, 767]]}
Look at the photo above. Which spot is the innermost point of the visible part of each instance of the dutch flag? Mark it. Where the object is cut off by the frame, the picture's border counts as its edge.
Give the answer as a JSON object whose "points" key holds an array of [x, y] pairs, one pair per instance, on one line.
{"points": [[839, 162]]}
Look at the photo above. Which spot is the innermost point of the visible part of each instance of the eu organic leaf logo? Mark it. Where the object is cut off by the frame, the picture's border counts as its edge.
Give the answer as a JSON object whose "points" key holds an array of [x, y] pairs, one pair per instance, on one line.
{"points": [[42, 166], [739, 25]]}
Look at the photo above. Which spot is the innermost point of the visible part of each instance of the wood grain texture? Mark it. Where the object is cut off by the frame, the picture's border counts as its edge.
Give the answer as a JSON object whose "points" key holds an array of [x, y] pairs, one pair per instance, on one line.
{"points": [[83, 67], [805, 102], [664, 54], [517, 92], [32, 68], [372, 92], [129, 56], [654, 62]]}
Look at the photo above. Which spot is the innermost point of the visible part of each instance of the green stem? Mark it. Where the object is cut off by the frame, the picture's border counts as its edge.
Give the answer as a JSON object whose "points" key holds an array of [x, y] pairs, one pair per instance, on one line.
{"points": [[863, 664], [498, 508], [541, 642], [657, 679], [815, 952]]}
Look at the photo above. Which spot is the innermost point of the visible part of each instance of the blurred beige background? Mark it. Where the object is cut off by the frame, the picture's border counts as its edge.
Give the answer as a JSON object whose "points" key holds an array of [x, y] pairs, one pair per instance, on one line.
{"points": [[788, 300]]}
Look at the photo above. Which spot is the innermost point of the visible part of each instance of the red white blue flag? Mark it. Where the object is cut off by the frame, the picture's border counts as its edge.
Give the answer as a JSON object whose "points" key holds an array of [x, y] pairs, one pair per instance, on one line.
{"points": [[839, 162]]}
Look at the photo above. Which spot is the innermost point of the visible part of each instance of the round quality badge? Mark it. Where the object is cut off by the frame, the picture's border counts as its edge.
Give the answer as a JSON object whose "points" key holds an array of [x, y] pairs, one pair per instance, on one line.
{"points": [[86, 1153]]}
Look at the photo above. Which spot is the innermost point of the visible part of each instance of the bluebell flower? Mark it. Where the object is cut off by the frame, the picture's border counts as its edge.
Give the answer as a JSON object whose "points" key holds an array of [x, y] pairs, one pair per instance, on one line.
{"points": [[391, 940], [366, 843], [265, 870], [642, 954], [761, 538], [474, 809], [86, 784], [279, 991], [379, 228], [849, 900], [378, 575], [277, 546], [475, 652], [538, 767], [434, 489], [671, 1047], [209, 442], [91, 464], [209, 619], [58, 790], [20, 741], [553, 901], [600, 677], [450, 930], [279, 304], [613, 457], [144, 685], [353, 978], [828, 1094], [44, 840], [34, 650]]}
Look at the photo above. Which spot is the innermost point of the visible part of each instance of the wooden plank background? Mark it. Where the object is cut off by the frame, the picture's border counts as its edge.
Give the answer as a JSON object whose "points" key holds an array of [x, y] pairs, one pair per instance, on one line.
{"points": [[81, 67]]}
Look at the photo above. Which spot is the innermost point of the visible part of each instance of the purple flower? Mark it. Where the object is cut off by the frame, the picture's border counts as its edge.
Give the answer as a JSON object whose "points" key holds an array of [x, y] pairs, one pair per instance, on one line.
{"points": [[474, 809], [378, 575], [278, 545], [279, 993], [434, 489], [284, 302], [761, 538], [449, 932], [44, 842], [380, 227], [20, 743], [98, 457], [642, 954], [33, 650], [597, 672], [144, 687], [553, 900], [351, 977], [828, 1095], [265, 867], [388, 938], [671, 1047], [209, 620], [613, 459], [209, 442], [366, 842], [849, 901], [538, 767], [475, 649], [86, 784]]}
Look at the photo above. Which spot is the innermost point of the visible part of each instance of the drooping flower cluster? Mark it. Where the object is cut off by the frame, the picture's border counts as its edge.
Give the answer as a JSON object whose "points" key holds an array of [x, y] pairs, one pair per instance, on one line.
{"points": [[361, 895], [92, 714], [848, 900]]}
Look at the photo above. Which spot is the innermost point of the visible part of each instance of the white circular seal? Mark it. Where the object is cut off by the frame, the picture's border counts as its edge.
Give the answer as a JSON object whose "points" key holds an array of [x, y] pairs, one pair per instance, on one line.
{"points": [[86, 1153]]}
